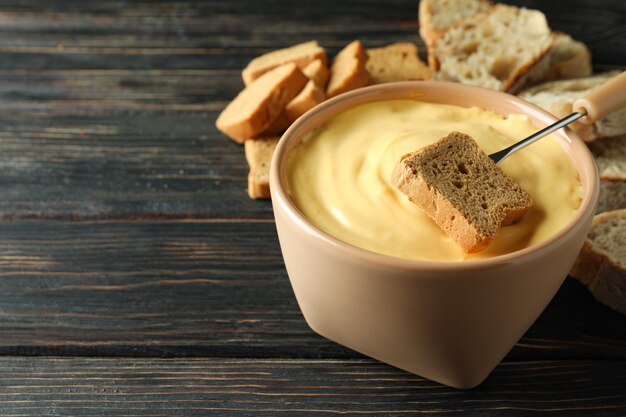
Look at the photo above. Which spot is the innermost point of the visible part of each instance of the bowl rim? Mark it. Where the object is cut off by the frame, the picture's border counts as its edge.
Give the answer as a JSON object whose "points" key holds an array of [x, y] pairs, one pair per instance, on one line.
{"points": [[369, 94]]}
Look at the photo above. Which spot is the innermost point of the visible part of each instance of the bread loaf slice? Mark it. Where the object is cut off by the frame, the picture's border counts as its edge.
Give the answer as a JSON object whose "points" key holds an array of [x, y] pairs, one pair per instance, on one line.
{"points": [[259, 155], [318, 72], [557, 97], [612, 195], [601, 263], [461, 189], [301, 55], [495, 49], [348, 70], [310, 96], [396, 62], [568, 58], [610, 156], [259, 104], [437, 16]]}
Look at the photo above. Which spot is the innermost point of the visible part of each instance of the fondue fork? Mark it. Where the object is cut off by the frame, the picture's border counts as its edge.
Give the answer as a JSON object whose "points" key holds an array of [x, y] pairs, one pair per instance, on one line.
{"points": [[600, 102]]}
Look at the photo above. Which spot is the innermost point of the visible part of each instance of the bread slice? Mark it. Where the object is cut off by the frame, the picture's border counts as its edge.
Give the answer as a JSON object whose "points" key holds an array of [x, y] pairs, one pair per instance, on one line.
{"points": [[318, 72], [612, 195], [610, 156], [601, 263], [557, 97], [259, 155], [396, 62], [348, 70], [437, 16], [568, 58], [259, 104], [495, 49], [310, 96], [461, 189], [301, 55]]}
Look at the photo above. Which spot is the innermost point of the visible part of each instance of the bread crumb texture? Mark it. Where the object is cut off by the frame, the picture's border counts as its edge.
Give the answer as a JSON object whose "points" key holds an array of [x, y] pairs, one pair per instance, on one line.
{"points": [[462, 190]]}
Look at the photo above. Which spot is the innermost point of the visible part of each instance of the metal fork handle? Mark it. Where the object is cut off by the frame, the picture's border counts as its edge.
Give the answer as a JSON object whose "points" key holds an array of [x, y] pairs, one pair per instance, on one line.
{"points": [[499, 156]]}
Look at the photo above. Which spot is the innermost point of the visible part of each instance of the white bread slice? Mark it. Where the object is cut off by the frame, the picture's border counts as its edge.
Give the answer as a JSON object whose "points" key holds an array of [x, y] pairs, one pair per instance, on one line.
{"points": [[601, 263], [436, 16], [259, 153], [301, 55], [310, 96], [568, 58], [461, 189], [318, 72], [396, 62], [557, 97], [348, 70], [260, 103], [610, 156], [495, 49], [612, 195]]}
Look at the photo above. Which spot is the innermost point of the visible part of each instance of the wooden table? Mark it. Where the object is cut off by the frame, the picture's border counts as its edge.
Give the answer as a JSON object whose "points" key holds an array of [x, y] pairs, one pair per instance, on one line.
{"points": [[137, 278]]}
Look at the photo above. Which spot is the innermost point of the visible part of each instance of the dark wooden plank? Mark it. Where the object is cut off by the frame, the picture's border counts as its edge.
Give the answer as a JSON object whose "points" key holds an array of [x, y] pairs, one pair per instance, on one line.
{"points": [[122, 166], [137, 387], [214, 288], [107, 109], [110, 144], [215, 34]]}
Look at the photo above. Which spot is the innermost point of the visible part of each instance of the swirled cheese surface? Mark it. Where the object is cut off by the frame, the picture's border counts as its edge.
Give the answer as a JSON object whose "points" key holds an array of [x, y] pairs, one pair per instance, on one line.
{"points": [[339, 177]]}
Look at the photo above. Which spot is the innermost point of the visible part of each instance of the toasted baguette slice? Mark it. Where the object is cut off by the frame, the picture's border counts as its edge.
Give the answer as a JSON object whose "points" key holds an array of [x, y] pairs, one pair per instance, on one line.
{"points": [[601, 263], [301, 55], [259, 104], [568, 58], [396, 62], [310, 96], [557, 97], [259, 155], [436, 16], [318, 72], [494, 50], [461, 189], [348, 70]]}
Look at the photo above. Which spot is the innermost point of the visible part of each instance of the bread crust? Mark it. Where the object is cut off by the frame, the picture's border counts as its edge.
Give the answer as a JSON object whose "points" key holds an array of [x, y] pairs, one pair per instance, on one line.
{"points": [[602, 266], [348, 70], [464, 53], [396, 62], [557, 97], [259, 153], [259, 104], [310, 96], [448, 180], [301, 55], [318, 72], [440, 209]]}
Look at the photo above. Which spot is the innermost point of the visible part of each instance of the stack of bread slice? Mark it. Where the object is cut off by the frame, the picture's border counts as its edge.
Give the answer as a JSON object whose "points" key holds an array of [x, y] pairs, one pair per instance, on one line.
{"points": [[477, 42], [282, 85], [497, 46], [602, 262], [513, 49]]}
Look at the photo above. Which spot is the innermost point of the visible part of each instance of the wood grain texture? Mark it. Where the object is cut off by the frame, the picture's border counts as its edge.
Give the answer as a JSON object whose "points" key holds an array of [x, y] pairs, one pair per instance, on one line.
{"points": [[128, 387], [216, 288], [108, 108], [108, 152]]}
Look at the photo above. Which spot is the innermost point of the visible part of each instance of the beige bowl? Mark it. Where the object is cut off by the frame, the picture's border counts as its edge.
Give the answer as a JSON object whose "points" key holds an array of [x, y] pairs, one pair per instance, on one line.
{"points": [[451, 322]]}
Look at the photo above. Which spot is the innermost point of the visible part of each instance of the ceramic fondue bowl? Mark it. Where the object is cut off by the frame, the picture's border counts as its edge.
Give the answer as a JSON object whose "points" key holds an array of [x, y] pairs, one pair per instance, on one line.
{"points": [[451, 322]]}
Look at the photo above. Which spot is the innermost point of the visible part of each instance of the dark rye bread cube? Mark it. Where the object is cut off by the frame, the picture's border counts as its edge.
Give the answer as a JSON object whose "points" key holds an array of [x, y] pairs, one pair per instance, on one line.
{"points": [[461, 189]]}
